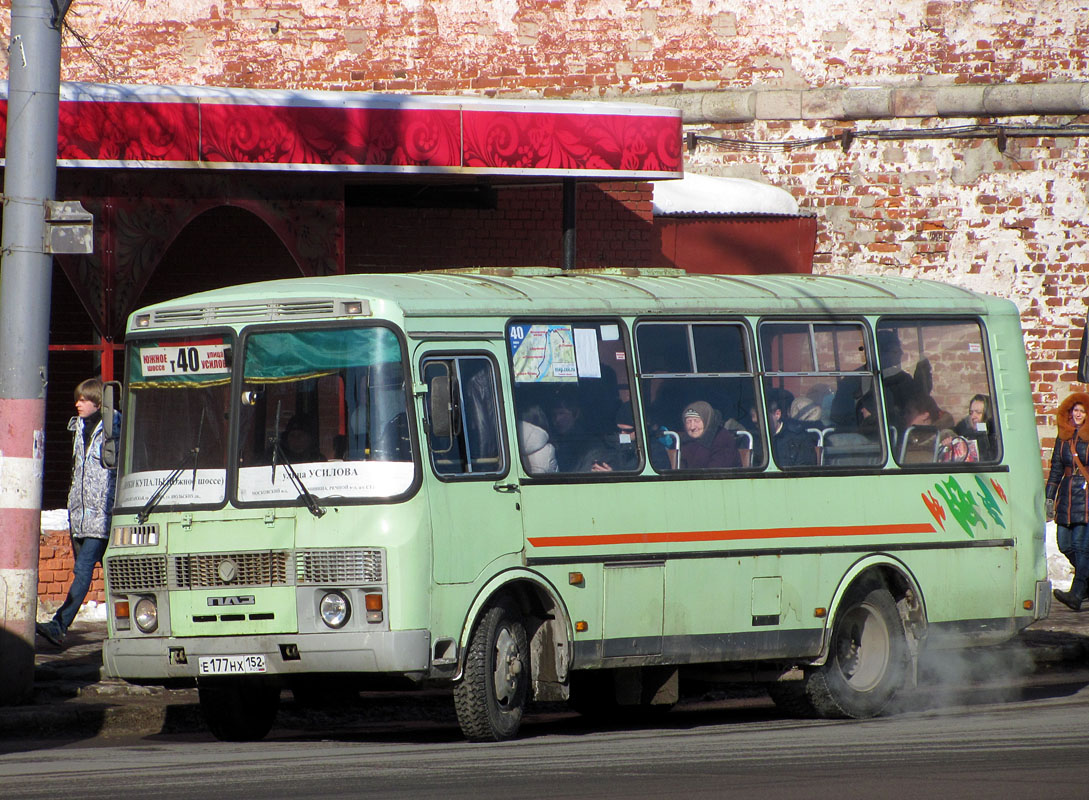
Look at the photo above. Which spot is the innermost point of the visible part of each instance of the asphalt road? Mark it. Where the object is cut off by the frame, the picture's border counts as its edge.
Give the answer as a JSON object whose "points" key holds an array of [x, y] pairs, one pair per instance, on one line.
{"points": [[997, 741]]}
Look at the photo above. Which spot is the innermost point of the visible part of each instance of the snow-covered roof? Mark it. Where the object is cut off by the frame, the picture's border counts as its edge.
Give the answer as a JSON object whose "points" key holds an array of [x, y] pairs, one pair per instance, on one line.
{"points": [[705, 194]]}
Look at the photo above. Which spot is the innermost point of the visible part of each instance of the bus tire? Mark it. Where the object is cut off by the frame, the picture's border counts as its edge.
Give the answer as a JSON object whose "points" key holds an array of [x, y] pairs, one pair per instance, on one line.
{"points": [[491, 695], [238, 709], [867, 660]]}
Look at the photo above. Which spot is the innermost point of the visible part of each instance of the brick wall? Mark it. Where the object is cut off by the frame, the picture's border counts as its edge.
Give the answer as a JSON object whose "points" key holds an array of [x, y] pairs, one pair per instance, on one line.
{"points": [[614, 227], [55, 571]]}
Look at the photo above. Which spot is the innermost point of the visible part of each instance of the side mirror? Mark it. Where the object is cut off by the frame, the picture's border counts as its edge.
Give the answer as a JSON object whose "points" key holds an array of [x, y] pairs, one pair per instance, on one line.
{"points": [[111, 393], [440, 406]]}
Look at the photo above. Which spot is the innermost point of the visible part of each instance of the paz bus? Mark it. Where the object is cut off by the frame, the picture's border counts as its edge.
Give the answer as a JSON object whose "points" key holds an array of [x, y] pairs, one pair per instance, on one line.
{"points": [[594, 486]]}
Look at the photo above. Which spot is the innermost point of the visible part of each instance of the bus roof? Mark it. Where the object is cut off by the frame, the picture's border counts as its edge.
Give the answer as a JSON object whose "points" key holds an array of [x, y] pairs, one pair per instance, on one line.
{"points": [[519, 291]]}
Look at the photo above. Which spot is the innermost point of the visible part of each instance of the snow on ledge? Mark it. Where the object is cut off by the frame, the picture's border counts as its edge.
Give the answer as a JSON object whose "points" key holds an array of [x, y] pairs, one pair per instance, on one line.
{"points": [[705, 194]]}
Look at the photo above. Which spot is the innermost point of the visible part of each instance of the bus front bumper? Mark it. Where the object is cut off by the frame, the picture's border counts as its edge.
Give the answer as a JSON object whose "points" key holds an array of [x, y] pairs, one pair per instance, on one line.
{"points": [[155, 658]]}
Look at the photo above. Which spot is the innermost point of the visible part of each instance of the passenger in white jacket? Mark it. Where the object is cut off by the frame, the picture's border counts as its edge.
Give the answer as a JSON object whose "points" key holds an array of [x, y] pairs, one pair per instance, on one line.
{"points": [[538, 453]]}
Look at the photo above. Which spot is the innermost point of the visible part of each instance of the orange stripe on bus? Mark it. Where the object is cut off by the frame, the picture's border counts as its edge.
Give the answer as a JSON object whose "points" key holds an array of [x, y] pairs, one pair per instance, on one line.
{"points": [[722, 536]]}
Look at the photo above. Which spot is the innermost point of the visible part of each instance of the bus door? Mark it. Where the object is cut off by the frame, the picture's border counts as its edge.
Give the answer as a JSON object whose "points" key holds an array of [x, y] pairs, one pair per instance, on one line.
{"points": [[475, 509]]}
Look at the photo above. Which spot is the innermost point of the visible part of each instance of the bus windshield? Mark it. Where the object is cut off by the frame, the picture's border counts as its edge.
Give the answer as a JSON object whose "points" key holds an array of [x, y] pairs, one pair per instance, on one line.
{"points": [[330, 404], [177, 422]]}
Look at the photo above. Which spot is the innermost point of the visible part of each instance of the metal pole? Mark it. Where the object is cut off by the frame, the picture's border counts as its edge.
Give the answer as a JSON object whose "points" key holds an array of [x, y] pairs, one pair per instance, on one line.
{"points": [[26, 271], [569, 229]]}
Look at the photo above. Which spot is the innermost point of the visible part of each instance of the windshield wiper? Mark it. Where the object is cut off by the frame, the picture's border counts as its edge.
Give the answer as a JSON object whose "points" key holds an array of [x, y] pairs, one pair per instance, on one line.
{"points": [[278, 457], [172, 478]]}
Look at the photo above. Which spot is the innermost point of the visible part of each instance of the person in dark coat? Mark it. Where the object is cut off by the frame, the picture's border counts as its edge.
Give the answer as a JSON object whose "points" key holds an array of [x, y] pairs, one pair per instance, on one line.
{"points": [[617, 451], [1067, 496], [705, 443], [791, 444]]}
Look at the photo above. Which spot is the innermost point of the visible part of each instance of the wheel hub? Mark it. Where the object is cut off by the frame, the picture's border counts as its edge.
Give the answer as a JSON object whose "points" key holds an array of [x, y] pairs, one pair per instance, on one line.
{"points": [[864, 649], [508, 667]]}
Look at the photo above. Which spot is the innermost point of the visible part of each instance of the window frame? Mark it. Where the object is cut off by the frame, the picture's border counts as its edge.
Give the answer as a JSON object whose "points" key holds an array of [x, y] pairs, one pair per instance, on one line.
{"points": [[502, 442]]}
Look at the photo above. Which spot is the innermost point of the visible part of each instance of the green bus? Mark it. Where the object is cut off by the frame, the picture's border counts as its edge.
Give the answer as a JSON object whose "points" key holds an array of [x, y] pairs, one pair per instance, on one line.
{"points": [[592, 486]]}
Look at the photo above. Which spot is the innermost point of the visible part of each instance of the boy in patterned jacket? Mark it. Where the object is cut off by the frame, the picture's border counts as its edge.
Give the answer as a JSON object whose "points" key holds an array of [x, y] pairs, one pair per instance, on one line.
{"points": [[90, 505]]}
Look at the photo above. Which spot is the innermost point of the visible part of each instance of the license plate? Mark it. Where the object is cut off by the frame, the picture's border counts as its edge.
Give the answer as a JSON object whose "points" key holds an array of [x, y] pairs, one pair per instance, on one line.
{"points": [[231, 665]]}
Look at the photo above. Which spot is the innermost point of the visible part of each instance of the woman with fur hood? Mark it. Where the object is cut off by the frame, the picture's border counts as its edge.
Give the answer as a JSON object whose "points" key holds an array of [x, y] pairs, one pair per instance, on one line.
{"points": [[1067, 495]]}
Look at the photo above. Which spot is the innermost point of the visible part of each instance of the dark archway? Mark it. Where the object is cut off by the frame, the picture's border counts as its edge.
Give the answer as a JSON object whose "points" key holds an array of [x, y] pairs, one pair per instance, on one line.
{"points": [[222, 247]]}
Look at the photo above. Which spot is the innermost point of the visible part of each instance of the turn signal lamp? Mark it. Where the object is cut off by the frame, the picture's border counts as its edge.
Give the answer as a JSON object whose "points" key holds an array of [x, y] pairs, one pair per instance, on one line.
{"points": [[121, 614], [820, 613], [373, 603], [1028, 604], [581, 626], [575, 578]]}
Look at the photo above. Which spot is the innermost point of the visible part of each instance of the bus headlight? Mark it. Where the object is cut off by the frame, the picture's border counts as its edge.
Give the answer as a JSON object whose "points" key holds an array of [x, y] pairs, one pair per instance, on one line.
{"points": [[146, 615], [335, 610]]}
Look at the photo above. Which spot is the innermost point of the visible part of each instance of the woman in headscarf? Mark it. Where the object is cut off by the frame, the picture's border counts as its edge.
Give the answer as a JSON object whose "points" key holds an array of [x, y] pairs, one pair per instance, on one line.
{"points": [[705, 443], [1067, 496]]}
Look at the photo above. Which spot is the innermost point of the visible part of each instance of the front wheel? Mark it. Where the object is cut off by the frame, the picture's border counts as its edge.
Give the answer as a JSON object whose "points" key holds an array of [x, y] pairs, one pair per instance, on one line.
{"points": [[492, 693], [238, 709]]}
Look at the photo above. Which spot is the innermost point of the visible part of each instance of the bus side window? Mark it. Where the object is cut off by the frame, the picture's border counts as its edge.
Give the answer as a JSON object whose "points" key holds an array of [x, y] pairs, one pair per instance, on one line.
{"points": [[697, 391], [462, 412], [820, 381], [571, 390], [939, 381]]}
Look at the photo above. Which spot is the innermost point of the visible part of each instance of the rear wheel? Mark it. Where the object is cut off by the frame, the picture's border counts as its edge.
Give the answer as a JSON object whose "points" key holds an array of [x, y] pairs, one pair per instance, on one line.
{"points": [[492, 693], [866, 666], [238, 709]]}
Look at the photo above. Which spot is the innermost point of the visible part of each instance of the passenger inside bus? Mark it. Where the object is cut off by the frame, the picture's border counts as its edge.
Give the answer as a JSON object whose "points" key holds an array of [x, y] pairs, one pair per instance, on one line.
{"points": [[854, 406], [618, 451], [978, 426], [568, 431], [538, 453], [791, 444], [896, 385], [705, 443]]}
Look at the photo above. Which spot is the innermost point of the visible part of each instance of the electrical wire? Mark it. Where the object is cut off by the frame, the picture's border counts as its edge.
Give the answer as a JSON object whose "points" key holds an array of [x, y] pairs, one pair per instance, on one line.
{"points": [[845, 139]]}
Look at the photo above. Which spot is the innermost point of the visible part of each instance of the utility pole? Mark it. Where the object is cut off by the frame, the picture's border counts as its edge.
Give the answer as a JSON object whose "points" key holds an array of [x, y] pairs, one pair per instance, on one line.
{"points": [[26, 272]]}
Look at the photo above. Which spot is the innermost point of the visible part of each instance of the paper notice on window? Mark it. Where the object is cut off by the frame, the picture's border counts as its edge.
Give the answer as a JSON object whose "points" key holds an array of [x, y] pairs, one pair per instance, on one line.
{"points": [[586, 353]]}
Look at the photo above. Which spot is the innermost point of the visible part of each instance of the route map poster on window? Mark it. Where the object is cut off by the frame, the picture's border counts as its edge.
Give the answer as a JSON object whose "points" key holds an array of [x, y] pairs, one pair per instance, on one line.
{"points": [[543, 354]]}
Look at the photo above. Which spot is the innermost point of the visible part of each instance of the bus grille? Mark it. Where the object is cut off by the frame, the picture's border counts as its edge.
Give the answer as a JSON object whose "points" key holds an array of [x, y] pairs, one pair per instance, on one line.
{"points": [[338, 566], [210, 570], [136, 573], [244, 312]]}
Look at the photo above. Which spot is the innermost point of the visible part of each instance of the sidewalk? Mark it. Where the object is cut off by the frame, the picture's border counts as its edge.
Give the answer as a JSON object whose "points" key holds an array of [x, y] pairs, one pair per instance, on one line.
{"points": [[72, 699]]}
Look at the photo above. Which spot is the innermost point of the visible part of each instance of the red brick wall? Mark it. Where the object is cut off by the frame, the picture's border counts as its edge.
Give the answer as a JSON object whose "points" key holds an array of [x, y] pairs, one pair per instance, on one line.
{"points": [[55, 570], [614, 227]]}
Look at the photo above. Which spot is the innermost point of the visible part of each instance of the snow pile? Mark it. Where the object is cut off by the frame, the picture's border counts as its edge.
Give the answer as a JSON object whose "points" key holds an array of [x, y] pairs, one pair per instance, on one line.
{"points": [[1058, 568], [704, 194]]}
